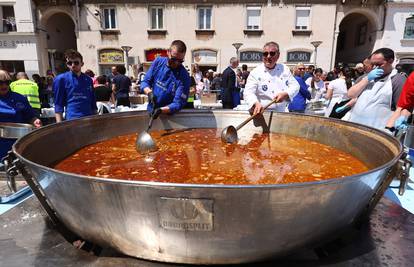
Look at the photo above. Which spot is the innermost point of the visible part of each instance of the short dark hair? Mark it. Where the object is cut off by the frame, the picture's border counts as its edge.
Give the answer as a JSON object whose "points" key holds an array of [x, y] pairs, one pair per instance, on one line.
{"points": [[121, 69], [318, 70], [386, 52], [90, 73], [71, 53], [179, 45], [101, 79], [244, 67]]}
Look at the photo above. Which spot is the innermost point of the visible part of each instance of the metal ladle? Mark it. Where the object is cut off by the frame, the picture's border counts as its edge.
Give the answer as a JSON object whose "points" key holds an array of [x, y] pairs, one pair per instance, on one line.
{"points": [[144, 142], [229, 134]]}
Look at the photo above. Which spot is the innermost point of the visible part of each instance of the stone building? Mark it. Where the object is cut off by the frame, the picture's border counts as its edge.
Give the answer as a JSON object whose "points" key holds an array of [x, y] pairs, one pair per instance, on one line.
{"points": [[134, 32], [19, 50]]}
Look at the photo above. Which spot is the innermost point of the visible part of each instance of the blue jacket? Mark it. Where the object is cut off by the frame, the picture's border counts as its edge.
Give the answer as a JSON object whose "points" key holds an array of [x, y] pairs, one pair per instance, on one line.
{"points": [[13, 108], [299, 101], [169, 86], [75, 94]]}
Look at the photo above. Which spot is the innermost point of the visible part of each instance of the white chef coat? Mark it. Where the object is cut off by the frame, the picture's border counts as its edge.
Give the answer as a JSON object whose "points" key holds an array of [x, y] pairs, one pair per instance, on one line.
{"points": [[264, 84]]}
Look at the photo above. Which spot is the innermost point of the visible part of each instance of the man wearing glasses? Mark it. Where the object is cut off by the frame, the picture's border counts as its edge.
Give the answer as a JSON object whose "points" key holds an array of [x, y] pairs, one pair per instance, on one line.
{"points": [[270, 81], [73, 90], [167, 82], [378, 92]]}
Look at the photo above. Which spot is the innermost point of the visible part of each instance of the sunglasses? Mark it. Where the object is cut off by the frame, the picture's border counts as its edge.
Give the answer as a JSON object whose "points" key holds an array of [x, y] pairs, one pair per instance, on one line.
{"points": [[174, 59], [69, 63], [301, 68], [272, 54], [5, 82]]}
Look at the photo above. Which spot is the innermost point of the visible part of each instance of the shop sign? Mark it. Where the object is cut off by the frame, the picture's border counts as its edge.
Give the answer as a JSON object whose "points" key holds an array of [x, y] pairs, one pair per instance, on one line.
{"points": [[298, 56], [152, 54], [251, 56], [111, 56], [205, 57], [15, 43]]}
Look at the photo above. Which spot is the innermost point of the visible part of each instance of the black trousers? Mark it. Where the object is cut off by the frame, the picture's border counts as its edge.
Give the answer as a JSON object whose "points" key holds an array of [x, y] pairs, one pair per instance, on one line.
{"points": [[123, 101], [339, 115]]}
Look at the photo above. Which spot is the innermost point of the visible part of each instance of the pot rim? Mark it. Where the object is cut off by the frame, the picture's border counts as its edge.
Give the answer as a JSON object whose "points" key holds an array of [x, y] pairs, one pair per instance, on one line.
{"points": [[350, 178]]}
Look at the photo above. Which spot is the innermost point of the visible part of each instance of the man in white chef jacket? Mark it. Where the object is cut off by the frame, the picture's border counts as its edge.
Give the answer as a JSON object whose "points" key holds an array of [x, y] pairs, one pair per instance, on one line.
{"points": [[270, 81]]}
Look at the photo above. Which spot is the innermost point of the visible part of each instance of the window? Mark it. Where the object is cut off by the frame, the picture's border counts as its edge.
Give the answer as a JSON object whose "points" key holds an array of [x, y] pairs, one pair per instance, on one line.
{"points": [[157, 18], [8, 18], [409, 28], [109, 21], [204, 18], [302, 18], [253, 17], [361, 36]]}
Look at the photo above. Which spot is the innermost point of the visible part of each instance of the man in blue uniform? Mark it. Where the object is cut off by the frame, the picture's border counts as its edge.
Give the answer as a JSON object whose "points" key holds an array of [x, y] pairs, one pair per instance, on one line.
{"points": [[167, 82], [14, 108], [73, 90]]}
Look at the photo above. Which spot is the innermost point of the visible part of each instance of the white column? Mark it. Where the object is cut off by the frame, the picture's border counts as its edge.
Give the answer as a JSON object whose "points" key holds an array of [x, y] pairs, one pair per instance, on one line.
{"points": [[23, 12], [31, 67]]}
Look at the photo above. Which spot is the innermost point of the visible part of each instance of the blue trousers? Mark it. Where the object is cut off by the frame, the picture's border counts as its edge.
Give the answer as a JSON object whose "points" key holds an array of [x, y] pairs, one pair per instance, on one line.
{"points": [[236, 99]]}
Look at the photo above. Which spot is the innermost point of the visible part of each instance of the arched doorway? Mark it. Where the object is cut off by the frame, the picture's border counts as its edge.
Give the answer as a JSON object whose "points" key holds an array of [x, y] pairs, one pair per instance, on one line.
{"points": [[60, 36], [356, 39]]}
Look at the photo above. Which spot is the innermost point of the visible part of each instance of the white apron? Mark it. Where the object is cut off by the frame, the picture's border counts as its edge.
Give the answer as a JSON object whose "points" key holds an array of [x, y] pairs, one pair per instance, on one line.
{"points": [[373, 107]]}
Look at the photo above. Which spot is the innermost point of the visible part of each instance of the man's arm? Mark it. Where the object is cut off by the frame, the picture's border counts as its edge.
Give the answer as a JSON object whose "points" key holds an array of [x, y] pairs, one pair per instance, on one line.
{"points": [[180, 97], [292, 90], [398, 82], [93, 100], [147, 83], [59, 91], [250, 93]]}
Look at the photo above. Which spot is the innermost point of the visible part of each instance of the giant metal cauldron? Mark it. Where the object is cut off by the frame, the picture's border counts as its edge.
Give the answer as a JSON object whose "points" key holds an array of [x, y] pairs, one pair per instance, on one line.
{"points": [[208, 224]]}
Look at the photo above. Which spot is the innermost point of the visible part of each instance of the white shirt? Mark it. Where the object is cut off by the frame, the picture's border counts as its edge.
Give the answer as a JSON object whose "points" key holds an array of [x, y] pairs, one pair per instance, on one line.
{"points": [[339, 93], [319, 88], [264, 84], [339, 89]]}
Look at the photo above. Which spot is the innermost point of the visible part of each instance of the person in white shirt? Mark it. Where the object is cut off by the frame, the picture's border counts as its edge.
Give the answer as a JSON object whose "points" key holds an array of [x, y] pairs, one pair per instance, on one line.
{"points": [[337, 93], [270, 81], [316, 84]]}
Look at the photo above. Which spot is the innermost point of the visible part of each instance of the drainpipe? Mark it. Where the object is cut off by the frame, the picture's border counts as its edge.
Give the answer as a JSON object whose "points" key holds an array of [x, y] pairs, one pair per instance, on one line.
{"points": [[385, 16], [77, 18], [334, 40]]}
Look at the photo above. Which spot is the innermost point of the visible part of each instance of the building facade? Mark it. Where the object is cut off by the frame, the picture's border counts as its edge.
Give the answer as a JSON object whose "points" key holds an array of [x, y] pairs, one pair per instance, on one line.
{"points": [[135, 32], [19, 50], [399, 32]]}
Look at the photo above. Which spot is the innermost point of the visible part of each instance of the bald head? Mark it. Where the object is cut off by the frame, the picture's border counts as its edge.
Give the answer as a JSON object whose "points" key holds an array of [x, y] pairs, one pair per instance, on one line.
{"points": [[21, 75]]}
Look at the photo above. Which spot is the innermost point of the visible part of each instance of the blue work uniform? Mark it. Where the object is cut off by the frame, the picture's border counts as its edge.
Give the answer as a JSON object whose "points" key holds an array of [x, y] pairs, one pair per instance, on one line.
{"points": [[169, 86], [298, 103], [75, 93], [13, 108]]}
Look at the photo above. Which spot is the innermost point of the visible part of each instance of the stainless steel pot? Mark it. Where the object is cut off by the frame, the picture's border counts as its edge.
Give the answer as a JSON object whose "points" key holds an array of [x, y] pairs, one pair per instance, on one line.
{"points": [[206, 224], [14, 130]]}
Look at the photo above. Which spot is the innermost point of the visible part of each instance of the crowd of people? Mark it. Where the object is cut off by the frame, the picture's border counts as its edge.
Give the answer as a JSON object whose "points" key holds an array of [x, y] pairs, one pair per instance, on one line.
{"points": [[372, 93]]}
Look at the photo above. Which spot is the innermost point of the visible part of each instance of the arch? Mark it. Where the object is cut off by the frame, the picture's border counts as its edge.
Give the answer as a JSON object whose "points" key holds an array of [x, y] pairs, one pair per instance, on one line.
{"points": [[357, 33], [371, 15], [59, 35], [45, 15]]}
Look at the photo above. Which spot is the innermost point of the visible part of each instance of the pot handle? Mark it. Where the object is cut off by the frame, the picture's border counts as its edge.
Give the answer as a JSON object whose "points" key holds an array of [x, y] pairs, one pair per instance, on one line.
{"points": [[13, 167], [16, 166], [11, 171], [404, 165]]}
